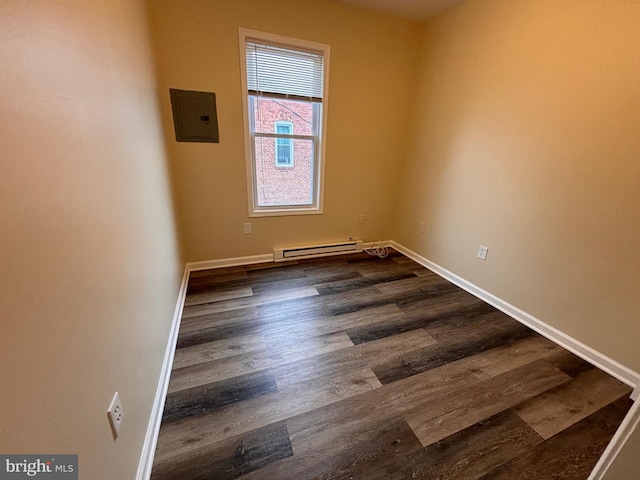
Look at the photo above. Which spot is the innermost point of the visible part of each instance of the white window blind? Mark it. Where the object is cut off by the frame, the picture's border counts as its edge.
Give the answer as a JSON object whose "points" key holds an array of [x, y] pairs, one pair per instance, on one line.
{"points": [[283, 72]]}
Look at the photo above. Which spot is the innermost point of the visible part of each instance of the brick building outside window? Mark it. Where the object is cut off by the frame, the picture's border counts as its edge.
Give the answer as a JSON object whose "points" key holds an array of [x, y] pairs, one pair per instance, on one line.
{"points": [[284, 166]]}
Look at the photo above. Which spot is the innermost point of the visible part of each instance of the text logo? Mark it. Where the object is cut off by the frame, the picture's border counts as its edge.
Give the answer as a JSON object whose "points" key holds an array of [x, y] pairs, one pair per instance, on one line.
{"points": [[46, 467]]}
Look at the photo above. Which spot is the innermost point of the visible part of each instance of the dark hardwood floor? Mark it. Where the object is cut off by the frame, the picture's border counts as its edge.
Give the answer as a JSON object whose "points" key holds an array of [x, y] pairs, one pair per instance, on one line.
{"points": [[355, 367]]}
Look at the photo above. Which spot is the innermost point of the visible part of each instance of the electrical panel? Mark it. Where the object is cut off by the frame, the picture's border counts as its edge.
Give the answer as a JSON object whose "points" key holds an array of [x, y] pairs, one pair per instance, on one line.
{"points": [[194, 116]]}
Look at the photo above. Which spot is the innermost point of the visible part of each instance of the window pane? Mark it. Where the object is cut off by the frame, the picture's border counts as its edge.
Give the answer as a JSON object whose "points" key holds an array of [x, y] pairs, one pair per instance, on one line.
{"points": [[284, 151], [268, 111], [284, 128], [284, 146], [277, 186]]}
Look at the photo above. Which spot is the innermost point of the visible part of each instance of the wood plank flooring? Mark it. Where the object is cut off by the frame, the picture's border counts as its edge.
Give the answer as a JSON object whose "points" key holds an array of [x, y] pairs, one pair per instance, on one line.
{"points": [[356, 367]]}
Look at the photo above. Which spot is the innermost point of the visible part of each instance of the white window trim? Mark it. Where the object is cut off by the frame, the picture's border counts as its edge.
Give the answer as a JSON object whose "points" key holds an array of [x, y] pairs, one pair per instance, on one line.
{"points": [[317, 207], [289, 124]]}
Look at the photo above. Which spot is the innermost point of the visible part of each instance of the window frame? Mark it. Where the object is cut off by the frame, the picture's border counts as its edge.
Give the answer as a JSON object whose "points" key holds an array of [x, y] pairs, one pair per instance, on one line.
{"points": [[317, 204], [289, 144]]}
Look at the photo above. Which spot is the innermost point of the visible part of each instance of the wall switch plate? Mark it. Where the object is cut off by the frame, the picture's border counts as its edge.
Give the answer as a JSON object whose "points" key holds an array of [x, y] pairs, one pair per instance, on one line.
{"points": [[361, 220], [247, 228], [115, 415], [421, 227], [482, 252]]}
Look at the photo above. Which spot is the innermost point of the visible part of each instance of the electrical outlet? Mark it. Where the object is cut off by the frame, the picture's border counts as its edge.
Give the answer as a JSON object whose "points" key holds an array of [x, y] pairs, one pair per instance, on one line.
{"points": [[361, 220], [115, 415], [422, 227], [482, 252], [247, 228]]}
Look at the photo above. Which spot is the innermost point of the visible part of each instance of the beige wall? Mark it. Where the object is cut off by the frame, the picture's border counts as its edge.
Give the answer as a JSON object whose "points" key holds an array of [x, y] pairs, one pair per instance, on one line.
{"points": [[89, 260], [526, 139], [370, 77]]}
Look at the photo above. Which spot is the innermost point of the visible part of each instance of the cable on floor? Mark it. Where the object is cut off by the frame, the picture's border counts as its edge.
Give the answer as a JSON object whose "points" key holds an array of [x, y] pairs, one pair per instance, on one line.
{"points": [[377, 250]]}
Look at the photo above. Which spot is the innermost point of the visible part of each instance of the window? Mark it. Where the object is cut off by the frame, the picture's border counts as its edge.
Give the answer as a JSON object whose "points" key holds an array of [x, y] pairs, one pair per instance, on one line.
{"points": [[284, 145], [285, 98]]}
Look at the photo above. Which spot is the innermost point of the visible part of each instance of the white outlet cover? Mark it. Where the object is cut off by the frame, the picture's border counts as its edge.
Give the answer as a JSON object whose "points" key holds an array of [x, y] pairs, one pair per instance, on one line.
{"points": [[115, 415], [482, 252]]}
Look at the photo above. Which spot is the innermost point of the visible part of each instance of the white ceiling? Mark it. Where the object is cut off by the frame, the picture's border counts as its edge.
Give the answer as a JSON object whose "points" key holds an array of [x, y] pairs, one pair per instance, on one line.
{"points": [[412, 9]]}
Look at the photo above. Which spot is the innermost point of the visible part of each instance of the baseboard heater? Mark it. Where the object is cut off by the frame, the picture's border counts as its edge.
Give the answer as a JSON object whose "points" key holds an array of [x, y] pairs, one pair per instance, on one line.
{"points": [[310, 251]]}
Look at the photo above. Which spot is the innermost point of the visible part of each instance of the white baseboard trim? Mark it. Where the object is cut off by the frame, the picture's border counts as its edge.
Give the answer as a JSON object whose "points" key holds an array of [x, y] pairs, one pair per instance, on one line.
{"points": [[626, 428], [585, 352], [380, 243], [622, 373], [151, 438], [264, 258], [229, 262]]}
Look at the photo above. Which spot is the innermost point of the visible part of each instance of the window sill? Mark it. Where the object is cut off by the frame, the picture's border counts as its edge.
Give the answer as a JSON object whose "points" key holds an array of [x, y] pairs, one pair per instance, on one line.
{"points": [[285, 212]]}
